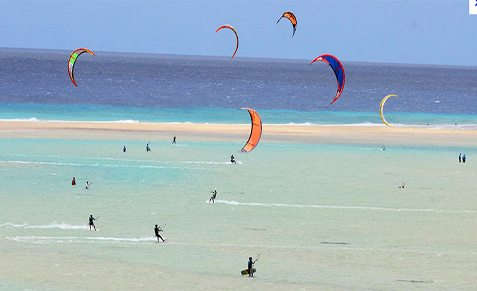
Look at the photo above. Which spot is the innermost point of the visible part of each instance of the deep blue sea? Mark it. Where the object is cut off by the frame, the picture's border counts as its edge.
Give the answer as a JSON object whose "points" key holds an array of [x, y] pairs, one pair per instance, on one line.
{"points": [[146, 87]]}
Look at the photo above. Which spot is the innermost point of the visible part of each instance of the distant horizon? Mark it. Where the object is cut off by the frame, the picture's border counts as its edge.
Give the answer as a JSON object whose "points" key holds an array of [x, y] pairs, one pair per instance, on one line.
{"points": [[376, 31], [307, 61]]}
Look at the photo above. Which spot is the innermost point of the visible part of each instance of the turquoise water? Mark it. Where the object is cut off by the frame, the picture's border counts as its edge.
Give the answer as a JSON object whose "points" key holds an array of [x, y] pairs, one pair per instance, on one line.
{"points": [[33, 111], [328, 216]]}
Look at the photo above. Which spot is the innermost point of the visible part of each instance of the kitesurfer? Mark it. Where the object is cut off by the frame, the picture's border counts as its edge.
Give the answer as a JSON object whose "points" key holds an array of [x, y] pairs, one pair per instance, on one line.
{"points": [[91, 222], [148, 149], [124, 149], [157, 229], [73, 182], [460, 157], [232, 159], [214, 194], [174, 140], [250, 266]]}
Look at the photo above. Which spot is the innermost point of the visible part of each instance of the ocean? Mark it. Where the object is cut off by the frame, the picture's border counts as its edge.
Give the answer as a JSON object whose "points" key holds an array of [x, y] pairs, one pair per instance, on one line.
{"points": [[317, 216], [141, 87]]}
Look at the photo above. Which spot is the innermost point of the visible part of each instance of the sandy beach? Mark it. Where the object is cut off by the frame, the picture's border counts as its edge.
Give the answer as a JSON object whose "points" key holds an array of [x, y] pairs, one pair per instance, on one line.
{"points": [[320, 134]]}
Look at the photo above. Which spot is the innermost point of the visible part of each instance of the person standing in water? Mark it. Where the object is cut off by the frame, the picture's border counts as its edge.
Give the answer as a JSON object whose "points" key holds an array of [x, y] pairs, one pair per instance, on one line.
{"points": [[174, 140], [91, 222], [73, 182], [87, 185], [232, 159], [250, 266], [460, 157], [463, 158], [124, 149], [214, 194], [157, 229], [148, 149]]}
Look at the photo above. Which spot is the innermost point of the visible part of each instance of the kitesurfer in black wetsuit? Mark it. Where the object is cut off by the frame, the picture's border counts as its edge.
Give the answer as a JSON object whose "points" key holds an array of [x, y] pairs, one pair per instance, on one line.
{"points": [[250, 266], [214, 194], [91, 222], [157, 229]]}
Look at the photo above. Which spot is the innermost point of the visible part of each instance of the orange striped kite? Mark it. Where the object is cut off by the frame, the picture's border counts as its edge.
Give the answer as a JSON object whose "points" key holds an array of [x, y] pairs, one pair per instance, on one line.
{"points": [[255, 132], [290, 16]]}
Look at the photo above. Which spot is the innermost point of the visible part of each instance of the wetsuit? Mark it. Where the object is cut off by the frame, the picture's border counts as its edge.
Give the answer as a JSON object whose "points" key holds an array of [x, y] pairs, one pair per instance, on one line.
{"points": [[91, 223], [213, 196], [250, 268], [158, 236]]}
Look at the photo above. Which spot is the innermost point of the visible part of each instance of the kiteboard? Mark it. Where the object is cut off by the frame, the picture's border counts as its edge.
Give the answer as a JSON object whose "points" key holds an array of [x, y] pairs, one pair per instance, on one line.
{"points": [[245, 272]]}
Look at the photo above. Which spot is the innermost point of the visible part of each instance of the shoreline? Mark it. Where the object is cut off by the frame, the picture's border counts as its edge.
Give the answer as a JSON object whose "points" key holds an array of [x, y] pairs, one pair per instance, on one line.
{"points": [[308, 134]]}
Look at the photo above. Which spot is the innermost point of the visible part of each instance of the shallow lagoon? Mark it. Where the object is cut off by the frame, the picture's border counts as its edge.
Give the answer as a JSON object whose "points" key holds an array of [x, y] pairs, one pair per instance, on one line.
{"points": [[319, 215]]}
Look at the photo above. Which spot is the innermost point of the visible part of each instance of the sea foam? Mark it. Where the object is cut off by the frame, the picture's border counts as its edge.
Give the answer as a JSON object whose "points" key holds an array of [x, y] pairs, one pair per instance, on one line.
{"points": [[53, 225], [344, 207]]}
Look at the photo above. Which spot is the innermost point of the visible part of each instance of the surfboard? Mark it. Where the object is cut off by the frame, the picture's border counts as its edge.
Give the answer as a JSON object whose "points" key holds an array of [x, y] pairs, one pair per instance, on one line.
{"points": [[245, 272]]}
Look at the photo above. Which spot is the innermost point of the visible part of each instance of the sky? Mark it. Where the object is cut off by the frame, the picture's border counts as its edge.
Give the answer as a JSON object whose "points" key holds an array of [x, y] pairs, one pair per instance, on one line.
{"points": [[388, 31]]}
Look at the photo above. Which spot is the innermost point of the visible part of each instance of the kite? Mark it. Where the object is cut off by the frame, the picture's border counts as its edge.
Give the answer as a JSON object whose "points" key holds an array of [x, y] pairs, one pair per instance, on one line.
{"points": [[255, 132], [72, 61], [338, 68], [381, 107], [236, 36], [290, 16]]}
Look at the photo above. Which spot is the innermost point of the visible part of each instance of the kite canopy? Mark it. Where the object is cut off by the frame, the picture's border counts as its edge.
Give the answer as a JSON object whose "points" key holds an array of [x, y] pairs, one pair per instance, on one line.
{"points": [[236, 36], [255, 132], [338, 68], [290, 16], [381, 107], [72, 61]]}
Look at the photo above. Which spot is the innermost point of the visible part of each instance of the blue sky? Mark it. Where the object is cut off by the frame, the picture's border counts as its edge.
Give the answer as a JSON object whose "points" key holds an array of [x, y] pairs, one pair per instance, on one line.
{"points": [[395, 31]]}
